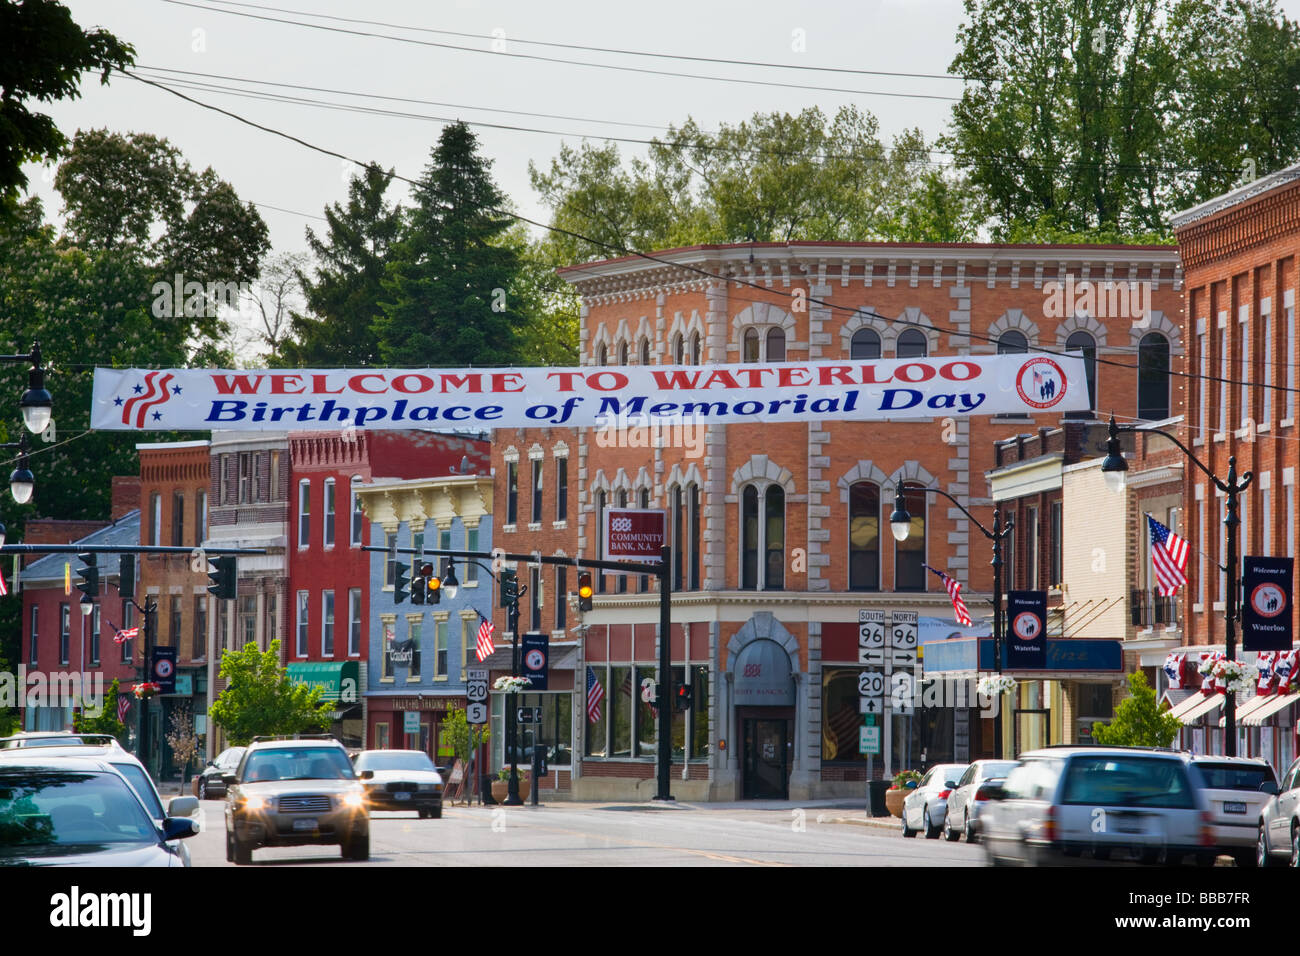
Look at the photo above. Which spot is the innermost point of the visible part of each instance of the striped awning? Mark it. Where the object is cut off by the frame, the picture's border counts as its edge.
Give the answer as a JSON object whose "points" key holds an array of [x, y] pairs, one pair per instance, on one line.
{"points": [[1276, 703], [1207, 705], [1194, 700]]}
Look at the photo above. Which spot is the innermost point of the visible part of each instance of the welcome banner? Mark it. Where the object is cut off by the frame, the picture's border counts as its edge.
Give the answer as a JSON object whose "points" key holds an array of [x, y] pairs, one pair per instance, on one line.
{"points": [[595, 396]]}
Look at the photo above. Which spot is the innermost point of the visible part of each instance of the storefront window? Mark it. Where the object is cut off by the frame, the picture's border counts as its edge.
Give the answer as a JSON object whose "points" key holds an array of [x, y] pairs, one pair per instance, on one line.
{"points": [[646, 727], [555, 732], [596, 732], [622, 699], [840, 717]]}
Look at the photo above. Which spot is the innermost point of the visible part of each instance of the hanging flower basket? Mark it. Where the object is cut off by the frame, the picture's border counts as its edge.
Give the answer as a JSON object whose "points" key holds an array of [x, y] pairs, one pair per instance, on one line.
{"points": [[146, 690], [994, 685], [511, 685], [1238, 677]]}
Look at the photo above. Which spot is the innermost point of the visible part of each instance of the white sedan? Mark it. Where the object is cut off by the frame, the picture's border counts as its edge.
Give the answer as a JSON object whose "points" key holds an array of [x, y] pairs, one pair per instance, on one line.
{"points": [[924, 807], [964, 803]]}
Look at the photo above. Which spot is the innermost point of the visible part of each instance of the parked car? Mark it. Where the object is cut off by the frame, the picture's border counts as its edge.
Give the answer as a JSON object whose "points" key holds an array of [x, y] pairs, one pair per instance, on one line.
{"points": [[295, 792], [966, 801], [1277, 836], [105, 747], [57, 810], [400, 780], [1064, 803], [928, 803], [211, 782], [1236, 789]]}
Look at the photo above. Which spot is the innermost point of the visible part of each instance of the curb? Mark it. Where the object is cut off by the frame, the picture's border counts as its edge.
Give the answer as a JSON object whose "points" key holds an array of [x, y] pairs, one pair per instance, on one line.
{"points": [[879, 823]]}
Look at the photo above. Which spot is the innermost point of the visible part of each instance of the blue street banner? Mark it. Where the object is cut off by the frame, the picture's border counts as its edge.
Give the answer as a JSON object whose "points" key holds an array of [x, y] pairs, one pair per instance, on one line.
{"points": [[162, 669], [1266, 603], [1026, 630], [591, 397], [535, 659]]}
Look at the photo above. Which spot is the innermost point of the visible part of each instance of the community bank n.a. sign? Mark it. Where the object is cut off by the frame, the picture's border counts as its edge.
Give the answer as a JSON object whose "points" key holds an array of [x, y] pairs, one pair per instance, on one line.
{"points": [[596, 396]]}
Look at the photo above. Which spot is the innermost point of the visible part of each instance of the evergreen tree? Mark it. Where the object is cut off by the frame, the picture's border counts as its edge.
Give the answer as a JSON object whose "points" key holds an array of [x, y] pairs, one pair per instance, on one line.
{"points": [[454, 286], [343, 298], [1139, 721]]}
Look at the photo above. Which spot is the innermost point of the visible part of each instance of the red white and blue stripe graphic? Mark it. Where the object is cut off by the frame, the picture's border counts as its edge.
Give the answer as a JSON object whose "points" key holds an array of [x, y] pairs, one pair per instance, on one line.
{"points": [[595, 694], [155, 392], [1168, 558], [484, 646]]}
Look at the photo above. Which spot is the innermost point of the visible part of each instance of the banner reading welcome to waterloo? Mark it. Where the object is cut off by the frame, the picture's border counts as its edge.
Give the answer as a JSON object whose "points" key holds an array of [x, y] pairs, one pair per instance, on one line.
{"points": [[595, 396]]}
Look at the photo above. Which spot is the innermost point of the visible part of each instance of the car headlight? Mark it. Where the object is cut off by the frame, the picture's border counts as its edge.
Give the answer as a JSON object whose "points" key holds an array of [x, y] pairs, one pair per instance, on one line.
{"points": [[356, 800], [253, 801], [430, 787]]}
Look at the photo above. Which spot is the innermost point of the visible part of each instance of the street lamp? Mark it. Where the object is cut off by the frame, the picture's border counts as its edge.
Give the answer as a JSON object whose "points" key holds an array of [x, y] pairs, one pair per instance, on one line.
{"points": [[1114, 467], [450, 586], [36, 403], [900, 524]]}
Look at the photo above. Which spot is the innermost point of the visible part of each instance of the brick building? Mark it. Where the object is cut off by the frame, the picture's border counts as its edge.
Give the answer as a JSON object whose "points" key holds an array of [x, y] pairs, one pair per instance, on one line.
{"points": [[778, 527], [1240, 255]]}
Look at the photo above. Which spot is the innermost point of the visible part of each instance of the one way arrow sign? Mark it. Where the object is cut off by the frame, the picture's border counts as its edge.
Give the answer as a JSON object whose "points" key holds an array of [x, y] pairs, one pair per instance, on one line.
{"points": [[869, 705]]}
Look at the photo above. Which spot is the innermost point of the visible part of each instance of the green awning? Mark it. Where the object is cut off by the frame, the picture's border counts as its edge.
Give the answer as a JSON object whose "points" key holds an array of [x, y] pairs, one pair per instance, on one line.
{"points": [[340, 679]]}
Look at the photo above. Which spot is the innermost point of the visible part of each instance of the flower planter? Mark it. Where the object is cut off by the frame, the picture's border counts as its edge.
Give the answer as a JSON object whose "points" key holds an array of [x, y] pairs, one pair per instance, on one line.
{"points": [[501, 789], [894, 801]]}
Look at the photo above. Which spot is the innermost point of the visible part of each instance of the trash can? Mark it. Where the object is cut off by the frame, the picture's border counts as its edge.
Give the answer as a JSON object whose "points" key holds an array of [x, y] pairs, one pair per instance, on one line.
{"points": [[876, 798]]}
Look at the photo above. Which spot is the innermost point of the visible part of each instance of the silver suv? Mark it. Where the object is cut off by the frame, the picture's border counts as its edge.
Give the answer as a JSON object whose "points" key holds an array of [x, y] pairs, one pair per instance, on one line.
{"points": [[294, 792], [1064, 803]]}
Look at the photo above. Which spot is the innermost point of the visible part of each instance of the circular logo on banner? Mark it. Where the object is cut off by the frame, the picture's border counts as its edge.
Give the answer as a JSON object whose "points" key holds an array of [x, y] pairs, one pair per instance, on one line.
{"points": [[1040, 383], [1268, 600], [1025, 625], [162, 668], [534, 660]]}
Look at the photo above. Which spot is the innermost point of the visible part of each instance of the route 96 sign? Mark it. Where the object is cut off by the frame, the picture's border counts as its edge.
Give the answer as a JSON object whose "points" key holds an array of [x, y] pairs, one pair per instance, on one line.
{"points": [[871, 636], [903, 630]]}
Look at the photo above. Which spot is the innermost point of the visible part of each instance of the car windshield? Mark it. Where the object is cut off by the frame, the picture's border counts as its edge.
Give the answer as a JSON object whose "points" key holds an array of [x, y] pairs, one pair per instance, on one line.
{"points": [[1122, 781], [1227, 776], [140, 781], [48, 807], [382, 761], [996, 768], [297, 763]]}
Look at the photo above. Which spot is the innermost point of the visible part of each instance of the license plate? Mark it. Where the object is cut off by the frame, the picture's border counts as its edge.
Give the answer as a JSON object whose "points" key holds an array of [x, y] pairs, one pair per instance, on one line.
{"points": [[403, 795], [305, 824], [1234, 808]]}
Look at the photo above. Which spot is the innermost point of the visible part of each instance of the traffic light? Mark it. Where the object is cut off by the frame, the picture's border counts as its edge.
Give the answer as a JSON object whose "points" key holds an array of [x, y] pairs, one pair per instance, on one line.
{"points": [[682, 701], [126, 577], [401, 581], [222, 576], [89, 583], [433, 586], [420, 582], [509, 587], [584, 591]]}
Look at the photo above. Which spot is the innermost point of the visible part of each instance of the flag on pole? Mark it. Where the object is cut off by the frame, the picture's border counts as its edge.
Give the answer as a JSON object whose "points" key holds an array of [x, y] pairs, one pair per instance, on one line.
{"points": [[121, 637], [954, 592], [4, 590], [595, 694], [485, 646], [1168, 558], [123, 707]]}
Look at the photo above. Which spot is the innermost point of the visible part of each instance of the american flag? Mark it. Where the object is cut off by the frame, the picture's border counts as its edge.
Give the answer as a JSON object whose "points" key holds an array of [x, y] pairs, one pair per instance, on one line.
{"points": [[121, 637], [1168, 558], [954, 592], [4, 590], [595, 694], [485, 646], [123, 707]]}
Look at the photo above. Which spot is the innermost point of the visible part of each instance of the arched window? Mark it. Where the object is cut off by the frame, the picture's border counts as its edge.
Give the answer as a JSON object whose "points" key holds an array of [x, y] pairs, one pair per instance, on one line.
{"points": [[1153, 377], [695, 348], [622, 353], [912, 343], [865, 344], [1012, 342], [645, 351], [864, 536], [679, 357], [602, 354], [762, 533], [776, 345], [909, 555], [1083, 342], [749, 351]]}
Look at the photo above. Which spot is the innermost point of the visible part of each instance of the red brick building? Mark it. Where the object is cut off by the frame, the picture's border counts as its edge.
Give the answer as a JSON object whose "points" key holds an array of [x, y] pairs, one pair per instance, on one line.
{"points": [[779, 527]]}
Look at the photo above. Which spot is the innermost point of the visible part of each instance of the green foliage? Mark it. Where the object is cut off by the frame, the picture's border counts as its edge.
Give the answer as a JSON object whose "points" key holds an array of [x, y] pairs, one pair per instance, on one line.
{"points": [[464, 737], [776, 177], [106, 722], [902, 778], [1138, 721], [42, 56], [259, 698], [453, 283], [1113, 114]]}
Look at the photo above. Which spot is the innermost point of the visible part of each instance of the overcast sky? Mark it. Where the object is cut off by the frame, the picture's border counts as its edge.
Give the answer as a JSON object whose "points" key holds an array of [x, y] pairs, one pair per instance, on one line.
{"points": [[913, 36]]}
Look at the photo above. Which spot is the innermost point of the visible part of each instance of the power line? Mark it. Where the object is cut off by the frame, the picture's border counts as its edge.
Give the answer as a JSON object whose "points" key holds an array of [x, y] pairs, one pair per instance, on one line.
{"points": [[687, 267]]}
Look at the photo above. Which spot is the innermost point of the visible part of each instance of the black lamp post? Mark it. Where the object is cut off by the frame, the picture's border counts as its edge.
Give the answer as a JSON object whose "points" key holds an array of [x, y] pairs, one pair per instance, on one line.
{"points": [[36, 405], [1114, 467], [900, 524]]}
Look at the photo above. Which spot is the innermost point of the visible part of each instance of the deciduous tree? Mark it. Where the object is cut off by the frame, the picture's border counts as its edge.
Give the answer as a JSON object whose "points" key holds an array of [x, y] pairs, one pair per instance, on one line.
{"points": [[259, 698]]}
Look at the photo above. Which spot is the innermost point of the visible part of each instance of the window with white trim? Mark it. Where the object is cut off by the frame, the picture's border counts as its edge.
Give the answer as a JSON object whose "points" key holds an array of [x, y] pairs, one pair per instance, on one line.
{"points": [[357, 515], [327, 624], [762, 538], [300, 642], [354, 622], [304, 513], [330, 516]]}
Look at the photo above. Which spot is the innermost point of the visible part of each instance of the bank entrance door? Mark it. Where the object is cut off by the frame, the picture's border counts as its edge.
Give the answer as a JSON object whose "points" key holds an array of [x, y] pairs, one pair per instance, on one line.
{"points": [[767, 758]]}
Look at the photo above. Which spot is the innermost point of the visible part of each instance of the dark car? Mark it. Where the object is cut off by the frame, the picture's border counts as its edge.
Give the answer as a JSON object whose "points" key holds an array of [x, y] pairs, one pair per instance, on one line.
{"points": [[80, 811], [211, 783], [401, 780]]}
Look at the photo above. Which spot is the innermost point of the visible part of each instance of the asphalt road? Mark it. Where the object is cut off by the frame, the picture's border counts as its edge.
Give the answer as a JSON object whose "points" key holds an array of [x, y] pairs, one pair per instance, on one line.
{"points": [[563, 834]]}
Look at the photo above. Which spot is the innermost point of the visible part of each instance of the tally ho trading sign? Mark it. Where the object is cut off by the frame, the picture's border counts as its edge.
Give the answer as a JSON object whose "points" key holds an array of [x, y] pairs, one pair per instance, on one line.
{"points": [[591, 397], [633, 534], [1266, 610]]}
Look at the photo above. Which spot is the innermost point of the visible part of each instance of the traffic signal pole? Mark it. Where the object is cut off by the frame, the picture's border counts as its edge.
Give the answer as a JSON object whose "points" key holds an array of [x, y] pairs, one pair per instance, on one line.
{"points": [[663, 692]]}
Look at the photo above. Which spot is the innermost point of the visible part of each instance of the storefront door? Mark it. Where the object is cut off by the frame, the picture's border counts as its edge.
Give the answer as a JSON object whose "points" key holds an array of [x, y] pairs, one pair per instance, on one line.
{"points": [[767, 767]]}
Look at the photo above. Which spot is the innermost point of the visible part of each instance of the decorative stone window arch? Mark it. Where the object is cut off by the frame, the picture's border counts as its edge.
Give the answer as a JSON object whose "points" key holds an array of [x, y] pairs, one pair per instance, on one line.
{"points": [[762, 491], [1157, 322], [762, 318], [645, 342], [679, 334], [865, 318], [922, 324], [866, 523], [911, 556], [1010, 320], [1081, 322], [684, 504], [762, 469]]}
